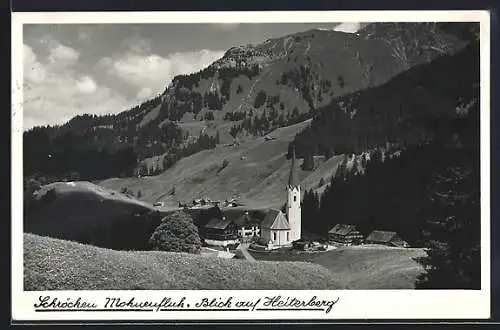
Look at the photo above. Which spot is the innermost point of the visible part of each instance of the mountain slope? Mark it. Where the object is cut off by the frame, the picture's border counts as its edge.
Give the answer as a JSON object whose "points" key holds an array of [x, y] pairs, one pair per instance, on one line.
{"points": [[401, 112], [88, 213], [256, 173], [52, 264], [275, 82]]}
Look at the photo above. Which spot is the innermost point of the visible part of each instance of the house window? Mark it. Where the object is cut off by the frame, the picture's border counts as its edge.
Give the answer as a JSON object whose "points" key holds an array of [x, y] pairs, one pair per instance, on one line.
{"points": [[287, 236], [274, 235]]}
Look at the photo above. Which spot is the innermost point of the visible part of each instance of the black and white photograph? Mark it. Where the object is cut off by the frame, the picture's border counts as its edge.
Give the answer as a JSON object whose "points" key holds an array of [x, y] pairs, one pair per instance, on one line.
{"points": [[301, 155]]}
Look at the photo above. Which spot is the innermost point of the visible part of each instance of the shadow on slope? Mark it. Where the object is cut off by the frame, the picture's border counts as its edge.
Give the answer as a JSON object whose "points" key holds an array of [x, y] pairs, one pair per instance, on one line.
{"points": [[90, 214]]}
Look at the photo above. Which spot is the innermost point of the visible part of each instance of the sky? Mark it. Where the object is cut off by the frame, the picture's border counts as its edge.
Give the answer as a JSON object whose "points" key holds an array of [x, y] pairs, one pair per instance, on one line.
{"points": [[72, 69]]}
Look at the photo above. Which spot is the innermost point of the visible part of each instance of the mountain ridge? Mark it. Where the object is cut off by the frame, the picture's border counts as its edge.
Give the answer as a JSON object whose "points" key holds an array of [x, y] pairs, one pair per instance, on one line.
{"points": [[249, 91]]}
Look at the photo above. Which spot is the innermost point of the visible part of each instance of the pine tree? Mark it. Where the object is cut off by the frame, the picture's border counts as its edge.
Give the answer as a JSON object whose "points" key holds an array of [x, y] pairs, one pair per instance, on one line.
{"points": [[453, 258]]}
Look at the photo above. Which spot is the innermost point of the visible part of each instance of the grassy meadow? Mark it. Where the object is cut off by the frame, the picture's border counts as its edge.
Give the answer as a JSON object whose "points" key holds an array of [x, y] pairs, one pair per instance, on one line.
{"points": [[361, 267], [53, 264]]}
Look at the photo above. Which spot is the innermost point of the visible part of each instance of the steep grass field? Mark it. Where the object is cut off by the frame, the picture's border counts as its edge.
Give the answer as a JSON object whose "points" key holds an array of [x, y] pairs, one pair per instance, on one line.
{"points": [[52, 264], [84, 212], [257, 173], [362, 267]]}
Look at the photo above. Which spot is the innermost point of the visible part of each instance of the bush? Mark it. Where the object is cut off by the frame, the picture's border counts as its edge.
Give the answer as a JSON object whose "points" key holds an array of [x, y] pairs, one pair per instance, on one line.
{"points": [[260, 99], [176, 233]]}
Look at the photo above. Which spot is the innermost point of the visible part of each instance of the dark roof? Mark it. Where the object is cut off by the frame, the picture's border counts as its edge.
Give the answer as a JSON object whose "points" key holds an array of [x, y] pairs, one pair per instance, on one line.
{"points": [[342, 229], [245, 220], [381, 236], [293, 180], [275, 220], [240, 217], [218, 223]]}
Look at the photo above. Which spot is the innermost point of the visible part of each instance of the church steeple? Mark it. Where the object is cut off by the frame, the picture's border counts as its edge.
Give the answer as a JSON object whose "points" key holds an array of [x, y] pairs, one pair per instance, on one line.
{"points": [[293, 180], [293, 210]]}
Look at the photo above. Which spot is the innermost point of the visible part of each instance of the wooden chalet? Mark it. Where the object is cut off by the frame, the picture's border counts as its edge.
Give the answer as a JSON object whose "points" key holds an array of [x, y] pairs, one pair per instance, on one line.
{"points": [[389, 238], [345, 234], [221, 230]]}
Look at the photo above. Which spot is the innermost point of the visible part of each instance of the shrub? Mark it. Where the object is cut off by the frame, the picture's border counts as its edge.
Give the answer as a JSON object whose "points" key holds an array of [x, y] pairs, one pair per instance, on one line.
{"points": [[260, 99], [176, 233]]}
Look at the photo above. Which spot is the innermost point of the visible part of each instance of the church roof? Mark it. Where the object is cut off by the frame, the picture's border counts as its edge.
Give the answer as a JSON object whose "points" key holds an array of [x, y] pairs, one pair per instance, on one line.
{"points": [[293, 180], [275, 220]]}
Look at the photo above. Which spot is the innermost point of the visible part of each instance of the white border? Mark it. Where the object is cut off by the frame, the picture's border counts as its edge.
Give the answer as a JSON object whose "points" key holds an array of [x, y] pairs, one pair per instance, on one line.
{"points": [[353, 304]]}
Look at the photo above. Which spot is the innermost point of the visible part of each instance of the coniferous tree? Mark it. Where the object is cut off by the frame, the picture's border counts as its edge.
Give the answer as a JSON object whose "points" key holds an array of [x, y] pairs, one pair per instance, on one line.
{"points": [[453, 259]]}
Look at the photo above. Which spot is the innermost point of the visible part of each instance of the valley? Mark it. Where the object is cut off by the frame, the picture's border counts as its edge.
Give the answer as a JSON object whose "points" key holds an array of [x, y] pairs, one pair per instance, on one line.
{"points": [[376, 131]]}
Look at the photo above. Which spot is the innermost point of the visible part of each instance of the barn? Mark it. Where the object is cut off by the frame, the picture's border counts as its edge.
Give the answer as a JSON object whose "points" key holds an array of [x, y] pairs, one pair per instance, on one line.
{"points": [[345, 234], [389, 238]]}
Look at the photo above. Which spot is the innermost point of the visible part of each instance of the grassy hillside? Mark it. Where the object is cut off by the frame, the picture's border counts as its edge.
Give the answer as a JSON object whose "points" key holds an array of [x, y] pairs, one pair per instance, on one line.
{"points": [[363, 267], [256, 174], [85, 212], [52, 264]]}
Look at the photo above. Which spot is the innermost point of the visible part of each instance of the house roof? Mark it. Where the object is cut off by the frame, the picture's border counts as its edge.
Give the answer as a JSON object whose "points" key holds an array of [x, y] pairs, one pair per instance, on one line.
{"points": [[342, 229], [381, 236], [218, 223], [275, 220], [245, 220]]}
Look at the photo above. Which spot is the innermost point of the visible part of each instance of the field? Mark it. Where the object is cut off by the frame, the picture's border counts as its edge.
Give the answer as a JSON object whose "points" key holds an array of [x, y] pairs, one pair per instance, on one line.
{"points": [[88, 213], [52, 264], [256, 175], [362, 267]]}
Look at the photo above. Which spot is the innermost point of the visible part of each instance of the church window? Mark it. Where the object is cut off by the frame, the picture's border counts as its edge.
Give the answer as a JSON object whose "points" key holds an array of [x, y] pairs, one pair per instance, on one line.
{"points": [[294, 198], [274, 235], [287, 236]]}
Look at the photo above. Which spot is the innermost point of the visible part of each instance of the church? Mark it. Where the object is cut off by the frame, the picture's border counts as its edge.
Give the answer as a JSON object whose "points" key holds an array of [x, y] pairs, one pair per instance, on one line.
{"points": [[278, 229]]}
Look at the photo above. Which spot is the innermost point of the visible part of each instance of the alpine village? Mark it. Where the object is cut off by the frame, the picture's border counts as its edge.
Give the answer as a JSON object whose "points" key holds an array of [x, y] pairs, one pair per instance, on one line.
{"points": [[317, 160]]}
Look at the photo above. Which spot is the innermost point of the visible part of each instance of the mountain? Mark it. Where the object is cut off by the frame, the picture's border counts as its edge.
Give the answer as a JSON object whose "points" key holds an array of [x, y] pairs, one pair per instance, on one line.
{"points": [[256, 173], [400, 112], [251, 90], [419, 127]]}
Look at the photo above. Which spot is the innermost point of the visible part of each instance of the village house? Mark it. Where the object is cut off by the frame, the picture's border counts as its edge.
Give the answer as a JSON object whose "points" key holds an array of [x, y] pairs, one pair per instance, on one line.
{"points": [[389, 238], [218, 226], [221, 232], [248, 226], [345, 234]]}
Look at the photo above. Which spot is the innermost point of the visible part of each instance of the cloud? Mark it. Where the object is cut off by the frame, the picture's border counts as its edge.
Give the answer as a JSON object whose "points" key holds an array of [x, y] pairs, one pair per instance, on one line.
{"points": [[59, 83], [349, 27], [149, 74], [34, 71], [86, 85], [53, 96], [144, 93], [61, 55]]}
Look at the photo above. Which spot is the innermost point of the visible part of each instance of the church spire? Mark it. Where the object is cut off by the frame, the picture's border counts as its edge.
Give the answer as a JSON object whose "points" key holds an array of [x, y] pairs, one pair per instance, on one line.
{"points": [[293, 180]]}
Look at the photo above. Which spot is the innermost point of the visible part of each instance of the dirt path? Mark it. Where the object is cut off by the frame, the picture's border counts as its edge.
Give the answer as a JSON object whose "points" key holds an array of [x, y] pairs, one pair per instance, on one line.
{"points": [[243, 248]]}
